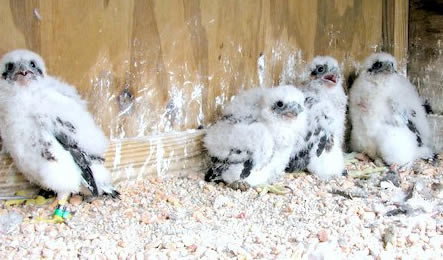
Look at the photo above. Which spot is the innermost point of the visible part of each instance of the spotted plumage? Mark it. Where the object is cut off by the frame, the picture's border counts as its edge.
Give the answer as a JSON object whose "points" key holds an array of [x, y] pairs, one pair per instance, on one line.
{"points": [[326, 102], [252, 142]]}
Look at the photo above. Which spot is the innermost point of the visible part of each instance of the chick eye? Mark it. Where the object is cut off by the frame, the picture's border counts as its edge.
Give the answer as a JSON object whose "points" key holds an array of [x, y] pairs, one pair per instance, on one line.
{"points": [[376, 65], [9, 66], [32, 63], [320, 69], [279, 103]]}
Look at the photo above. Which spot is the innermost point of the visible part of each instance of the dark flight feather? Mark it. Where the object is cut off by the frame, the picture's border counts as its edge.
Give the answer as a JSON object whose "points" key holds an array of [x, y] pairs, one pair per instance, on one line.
{"points": [[247, 167], [414, 130], [80, 158]]}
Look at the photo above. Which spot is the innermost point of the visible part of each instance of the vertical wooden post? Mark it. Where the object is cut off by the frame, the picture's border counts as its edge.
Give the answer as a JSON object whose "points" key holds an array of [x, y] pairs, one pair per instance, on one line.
{"points": [[395, 30]]}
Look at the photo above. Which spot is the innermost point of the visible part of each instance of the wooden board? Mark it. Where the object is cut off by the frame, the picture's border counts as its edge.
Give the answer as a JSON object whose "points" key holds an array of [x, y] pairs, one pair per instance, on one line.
{"points": [[426, 50], [436, 122], [131, 159], [395, 30], [151, 67], [155, 66]]}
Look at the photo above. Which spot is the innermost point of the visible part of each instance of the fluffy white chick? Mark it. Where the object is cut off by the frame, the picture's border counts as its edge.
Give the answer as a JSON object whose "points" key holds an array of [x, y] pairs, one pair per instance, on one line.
{"points": [[244, 107], [387, 116], [252, 153], [48, 131], [326, 101]]}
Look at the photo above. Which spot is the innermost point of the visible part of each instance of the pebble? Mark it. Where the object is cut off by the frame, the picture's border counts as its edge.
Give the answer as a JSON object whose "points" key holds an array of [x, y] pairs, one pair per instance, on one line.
{"points": [[368, 216], [322, 235], [187, 218], [47, 253], [75, 200]]}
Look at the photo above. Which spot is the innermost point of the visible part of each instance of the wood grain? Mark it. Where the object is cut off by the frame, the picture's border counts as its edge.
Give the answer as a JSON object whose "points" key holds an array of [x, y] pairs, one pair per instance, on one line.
{"points": [[436, 122], [426, 50], [131, 159], [395, 30], [158, 66]]}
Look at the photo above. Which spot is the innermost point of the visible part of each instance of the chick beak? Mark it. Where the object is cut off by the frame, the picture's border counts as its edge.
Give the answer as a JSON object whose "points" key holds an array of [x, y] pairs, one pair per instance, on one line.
{"points": [[23, 75], [292, 111], [331, 79]]}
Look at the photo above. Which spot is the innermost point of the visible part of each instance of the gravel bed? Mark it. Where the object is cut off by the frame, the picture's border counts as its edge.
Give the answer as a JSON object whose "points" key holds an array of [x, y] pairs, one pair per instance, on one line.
{"points": [[187, 218]]}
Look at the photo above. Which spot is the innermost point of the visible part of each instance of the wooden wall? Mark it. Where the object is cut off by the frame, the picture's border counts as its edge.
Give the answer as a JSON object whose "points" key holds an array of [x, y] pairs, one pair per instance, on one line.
{"points": [[153, 66], [426, 57]]}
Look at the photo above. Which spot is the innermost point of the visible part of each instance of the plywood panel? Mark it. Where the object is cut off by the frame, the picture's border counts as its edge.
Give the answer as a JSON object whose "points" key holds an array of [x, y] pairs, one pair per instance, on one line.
{"points": [[150, 67], [158, 66], [436, 122], [426, 50]]}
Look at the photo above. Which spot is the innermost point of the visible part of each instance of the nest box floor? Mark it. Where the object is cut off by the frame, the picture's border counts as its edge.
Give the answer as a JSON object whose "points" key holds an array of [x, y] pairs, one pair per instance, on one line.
{"points": [[188, 218]]}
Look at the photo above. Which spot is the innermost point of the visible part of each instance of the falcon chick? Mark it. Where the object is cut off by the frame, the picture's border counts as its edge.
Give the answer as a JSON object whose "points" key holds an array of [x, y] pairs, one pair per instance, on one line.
{"points": [[244, 107], [48, 131], [255, 152], [388, 119], [326, 103]]}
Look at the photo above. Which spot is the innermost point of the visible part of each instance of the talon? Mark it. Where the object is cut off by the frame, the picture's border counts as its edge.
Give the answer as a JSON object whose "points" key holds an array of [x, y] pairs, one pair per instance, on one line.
{"points": [[240, 185]]}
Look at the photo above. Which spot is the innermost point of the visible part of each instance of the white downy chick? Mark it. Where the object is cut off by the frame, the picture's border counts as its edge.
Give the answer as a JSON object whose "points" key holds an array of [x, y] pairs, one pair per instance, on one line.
{"points": [[48, 131], [322, 153], [387, 115], [257, 152]]}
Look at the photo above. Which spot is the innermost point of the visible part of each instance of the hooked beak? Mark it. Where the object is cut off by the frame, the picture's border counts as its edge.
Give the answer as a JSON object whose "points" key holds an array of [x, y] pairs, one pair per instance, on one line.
{"points": [[330, 78], [23, 75], [292, 111], [23, 72]]}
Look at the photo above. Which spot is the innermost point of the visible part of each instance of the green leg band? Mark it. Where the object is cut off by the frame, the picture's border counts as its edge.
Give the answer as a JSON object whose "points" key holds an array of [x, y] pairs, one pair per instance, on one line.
{"points": [[62, 212]]}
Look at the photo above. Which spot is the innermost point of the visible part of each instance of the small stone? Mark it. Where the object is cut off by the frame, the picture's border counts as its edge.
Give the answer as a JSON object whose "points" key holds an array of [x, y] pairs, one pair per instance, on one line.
{"points": [[221, 201], [188, 241], [121, 243], [75, 200], [97, 203], [413, 238], [389, 237], [192, 248], [347, 184], [40, 227], [198, 215], [211, 254], [322, 235], [47, 253], [173, 200], [129, 213], [436, 242], [241, 215], [368, 216], [146, 218]]}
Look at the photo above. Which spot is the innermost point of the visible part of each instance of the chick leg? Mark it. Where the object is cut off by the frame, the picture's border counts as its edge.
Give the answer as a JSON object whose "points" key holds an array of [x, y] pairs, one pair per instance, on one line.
{"points": [[61, 213]]}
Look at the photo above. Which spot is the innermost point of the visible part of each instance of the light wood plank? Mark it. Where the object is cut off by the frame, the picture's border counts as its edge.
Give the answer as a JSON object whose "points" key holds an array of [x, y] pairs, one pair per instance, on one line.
{"points": [[128, 160]]}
